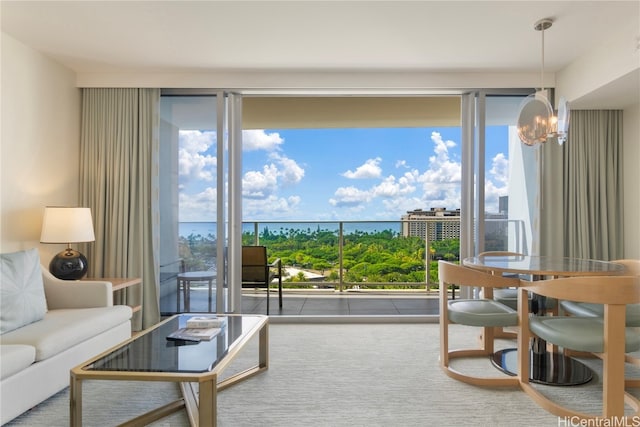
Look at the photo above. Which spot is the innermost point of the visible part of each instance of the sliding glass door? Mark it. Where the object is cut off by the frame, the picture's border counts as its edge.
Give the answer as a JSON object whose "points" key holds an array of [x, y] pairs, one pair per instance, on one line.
{"points": [[194, 200], [503, 189], [201, 191]]}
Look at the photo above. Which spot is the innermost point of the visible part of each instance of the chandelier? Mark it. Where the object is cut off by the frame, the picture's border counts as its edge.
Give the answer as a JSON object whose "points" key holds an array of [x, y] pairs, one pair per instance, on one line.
{"points": [[537, 121]]}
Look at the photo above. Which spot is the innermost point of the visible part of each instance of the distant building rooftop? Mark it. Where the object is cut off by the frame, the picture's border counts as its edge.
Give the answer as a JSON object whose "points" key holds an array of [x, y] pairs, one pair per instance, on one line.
{"points": [[437, 223], [431, 212]]}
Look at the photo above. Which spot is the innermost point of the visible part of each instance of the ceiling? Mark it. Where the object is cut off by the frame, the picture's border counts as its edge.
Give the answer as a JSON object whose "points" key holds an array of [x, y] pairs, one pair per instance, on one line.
{"points": [[332, 36]]}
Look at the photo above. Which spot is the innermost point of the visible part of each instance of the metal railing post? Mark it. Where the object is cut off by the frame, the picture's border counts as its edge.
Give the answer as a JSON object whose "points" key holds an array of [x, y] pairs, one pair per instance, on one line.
{"points": [[340, 254], [427, 257], [256, 239]]}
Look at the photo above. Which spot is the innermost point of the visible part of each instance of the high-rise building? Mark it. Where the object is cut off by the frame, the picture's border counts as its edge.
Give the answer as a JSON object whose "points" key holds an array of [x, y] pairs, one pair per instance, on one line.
{"points": [[436, 223], [503, 205]]}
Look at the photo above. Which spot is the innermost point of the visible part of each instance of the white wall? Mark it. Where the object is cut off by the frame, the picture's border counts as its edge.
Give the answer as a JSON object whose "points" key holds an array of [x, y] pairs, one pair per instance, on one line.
{"points": [[39, 145], [612, 59], [293, 82], [631, 135]]}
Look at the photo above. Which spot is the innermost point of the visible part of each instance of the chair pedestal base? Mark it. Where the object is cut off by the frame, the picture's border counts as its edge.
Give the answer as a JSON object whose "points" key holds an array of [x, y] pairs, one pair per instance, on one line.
{"points": [[547, 368]]}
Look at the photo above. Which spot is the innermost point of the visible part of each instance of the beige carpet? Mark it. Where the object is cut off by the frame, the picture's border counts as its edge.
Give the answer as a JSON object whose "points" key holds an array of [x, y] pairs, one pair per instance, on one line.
{"points": [[334, 375]]}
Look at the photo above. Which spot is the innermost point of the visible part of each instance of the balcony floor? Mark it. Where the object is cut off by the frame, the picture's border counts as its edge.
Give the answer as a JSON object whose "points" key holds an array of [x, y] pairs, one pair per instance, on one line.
{"points": [[321, 303]]}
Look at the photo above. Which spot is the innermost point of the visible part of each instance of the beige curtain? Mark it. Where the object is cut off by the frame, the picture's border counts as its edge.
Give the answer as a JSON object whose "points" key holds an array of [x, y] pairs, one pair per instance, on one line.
{"points": [[593, 185], [119, 182]]}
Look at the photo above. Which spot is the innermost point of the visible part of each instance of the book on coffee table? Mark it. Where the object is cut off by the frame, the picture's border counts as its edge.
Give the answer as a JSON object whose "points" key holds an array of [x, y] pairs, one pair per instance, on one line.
{"points": [[194, 334], [205, 322]]}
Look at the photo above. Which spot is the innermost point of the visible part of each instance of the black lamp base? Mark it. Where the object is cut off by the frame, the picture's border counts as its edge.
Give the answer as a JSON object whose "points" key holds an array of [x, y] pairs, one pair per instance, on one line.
{"points": [[69, 265]]}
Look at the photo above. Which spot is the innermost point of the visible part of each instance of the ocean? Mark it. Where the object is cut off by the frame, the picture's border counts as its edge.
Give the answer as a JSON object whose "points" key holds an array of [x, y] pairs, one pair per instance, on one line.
{"points": [[204, 229]]}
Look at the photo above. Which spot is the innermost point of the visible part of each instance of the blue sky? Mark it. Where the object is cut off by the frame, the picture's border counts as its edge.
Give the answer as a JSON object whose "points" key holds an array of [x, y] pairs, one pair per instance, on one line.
{"points": [[338, 174]]}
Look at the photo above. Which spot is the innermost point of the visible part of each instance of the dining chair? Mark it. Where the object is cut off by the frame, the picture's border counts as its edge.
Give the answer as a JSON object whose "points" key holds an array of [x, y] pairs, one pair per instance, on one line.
{"points": [[575, 308], [607, 338], [257, 272], [507, 296], [485, 313]]}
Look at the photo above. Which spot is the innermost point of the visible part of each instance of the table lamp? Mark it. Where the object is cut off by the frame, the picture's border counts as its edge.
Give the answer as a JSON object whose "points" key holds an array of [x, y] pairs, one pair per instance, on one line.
{"points": [[67, 225]]}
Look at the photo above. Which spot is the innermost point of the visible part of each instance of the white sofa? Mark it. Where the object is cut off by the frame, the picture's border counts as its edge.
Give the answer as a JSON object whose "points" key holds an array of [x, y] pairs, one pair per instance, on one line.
{"points": [[78, 321]]}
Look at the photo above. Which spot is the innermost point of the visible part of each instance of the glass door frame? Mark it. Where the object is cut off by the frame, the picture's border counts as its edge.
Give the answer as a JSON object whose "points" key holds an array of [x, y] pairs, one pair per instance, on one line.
{"points": [[474, 123], [229, 192], [234, 201], [229, 180]]}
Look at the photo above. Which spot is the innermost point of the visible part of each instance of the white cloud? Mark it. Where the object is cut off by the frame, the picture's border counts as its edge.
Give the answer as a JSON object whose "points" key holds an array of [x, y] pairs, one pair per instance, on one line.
{"points": [[399, 205], [441, 168], [396, 193], [270, 208], [440, 183], [294, 200], [500, 168], [444, 196], [498, 184], [193, 164], [370, 169], [263, 184], [387, 198], [196, 141], [258, 139], [390, 187], [198, 207], [410, 177], [290, 171], [492, 193], [349, 197], [260, 189], [260, 184]]}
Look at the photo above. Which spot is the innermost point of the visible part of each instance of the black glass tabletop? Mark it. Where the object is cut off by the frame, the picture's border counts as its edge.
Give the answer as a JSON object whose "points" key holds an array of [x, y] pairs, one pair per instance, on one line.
{"points": [[153, 352]]}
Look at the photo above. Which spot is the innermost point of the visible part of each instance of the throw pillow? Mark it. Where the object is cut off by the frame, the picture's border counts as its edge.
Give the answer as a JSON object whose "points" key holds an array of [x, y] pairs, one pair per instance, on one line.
{"points": [[22, 299]]}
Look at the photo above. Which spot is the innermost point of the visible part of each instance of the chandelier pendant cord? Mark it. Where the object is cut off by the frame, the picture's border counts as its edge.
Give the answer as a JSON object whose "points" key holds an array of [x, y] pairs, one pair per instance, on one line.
{"points": [[542, 62]]}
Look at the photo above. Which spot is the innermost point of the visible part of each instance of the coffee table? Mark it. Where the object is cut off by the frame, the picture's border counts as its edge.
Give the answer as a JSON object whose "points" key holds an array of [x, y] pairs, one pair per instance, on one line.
{"points": [[149, 356]]}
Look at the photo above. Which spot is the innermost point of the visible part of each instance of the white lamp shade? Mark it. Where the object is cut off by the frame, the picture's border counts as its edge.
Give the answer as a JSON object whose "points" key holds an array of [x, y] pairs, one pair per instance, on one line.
{"points": [[67, 225]]}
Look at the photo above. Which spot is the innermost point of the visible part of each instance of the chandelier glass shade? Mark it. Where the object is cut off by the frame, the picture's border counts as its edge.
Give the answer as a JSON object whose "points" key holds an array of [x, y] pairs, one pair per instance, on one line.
{"points": [[537, 121], [534, 120]]}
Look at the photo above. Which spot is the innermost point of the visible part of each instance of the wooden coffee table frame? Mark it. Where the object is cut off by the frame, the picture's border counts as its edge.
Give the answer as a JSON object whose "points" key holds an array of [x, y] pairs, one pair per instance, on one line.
{"points": [[200, 402]]}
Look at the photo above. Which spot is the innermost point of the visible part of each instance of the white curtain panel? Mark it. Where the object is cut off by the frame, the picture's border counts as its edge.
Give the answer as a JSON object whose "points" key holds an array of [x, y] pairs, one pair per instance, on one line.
{"points": [[119, 182], [593, 185]]}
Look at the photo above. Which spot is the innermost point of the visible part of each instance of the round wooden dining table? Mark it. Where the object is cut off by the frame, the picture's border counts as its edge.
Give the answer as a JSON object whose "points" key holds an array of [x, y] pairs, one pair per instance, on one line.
{"points": [[543, 265], [548, 367]]}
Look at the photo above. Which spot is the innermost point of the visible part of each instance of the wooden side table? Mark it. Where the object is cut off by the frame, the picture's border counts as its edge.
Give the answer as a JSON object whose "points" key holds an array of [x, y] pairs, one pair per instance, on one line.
{"points": [[120, 283]]}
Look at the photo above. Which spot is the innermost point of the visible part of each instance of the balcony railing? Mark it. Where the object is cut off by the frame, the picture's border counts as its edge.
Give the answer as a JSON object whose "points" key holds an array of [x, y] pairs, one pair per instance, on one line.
{"points": [[344, 255], [382, 257]]}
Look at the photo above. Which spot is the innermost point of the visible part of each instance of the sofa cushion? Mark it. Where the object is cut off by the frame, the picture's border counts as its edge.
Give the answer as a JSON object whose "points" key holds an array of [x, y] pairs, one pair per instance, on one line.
{"points": [[22, 299], [62, 329], [15, 358]]}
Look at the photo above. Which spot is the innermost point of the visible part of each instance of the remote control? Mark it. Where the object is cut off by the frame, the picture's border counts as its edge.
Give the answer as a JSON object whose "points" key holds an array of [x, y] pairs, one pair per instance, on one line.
{"points": [[183, 339]]}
